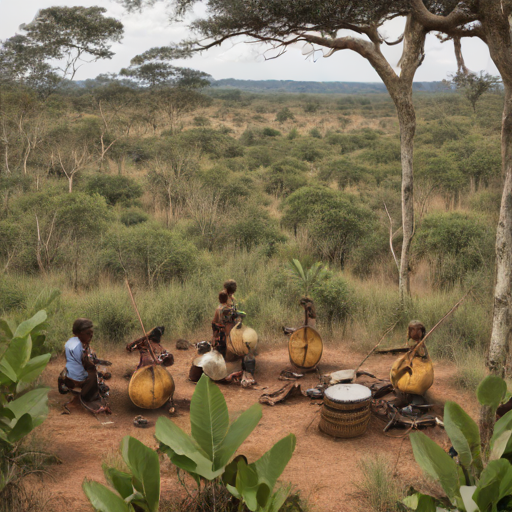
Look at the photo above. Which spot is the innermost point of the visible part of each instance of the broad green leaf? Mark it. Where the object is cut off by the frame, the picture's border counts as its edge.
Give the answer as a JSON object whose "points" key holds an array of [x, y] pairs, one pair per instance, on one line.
{"points": [[6, 413], [103, 499], [436, 463], [499, 445], [506, 484], [247, 484], [145, 467], [7, 372], [18, 353], [464, 435], [38, 347], [501, 426], [31, 371], [270, 466], [34, 402], [8, 327], [181, 444], [487, 493], [420, 503], [22, 427], [229, 476], [209, 418], [491, 391], [26, 327], [467, 491], [238, 432], [119, 480], [278, 498]]}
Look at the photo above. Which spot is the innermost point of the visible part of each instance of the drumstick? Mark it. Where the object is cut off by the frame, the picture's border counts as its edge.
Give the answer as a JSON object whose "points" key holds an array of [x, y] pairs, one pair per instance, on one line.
{"points": [[374, 348], [146, 339]]}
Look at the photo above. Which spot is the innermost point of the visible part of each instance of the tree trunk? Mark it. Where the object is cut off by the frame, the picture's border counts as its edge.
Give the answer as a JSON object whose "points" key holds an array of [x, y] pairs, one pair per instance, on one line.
{"points": [[70, 182], [407, 121], [496, 26]]}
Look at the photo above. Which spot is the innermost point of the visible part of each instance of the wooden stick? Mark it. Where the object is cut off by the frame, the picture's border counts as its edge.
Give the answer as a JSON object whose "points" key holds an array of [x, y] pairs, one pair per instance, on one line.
{"points": [[146, 339], [374, 348]]}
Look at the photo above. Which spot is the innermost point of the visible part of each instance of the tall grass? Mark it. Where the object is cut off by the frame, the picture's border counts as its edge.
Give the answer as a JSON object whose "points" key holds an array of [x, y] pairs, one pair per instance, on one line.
{"points": [[379, 490], [264, 292]]}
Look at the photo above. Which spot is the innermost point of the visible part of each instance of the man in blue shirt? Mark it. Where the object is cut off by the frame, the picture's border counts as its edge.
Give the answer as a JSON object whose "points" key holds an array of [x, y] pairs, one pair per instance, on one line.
{"points": [[80, 362]]}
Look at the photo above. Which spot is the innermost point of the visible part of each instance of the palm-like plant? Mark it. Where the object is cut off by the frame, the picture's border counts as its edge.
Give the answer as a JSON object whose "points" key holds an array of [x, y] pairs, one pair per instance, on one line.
{"points": [[307, 278]]}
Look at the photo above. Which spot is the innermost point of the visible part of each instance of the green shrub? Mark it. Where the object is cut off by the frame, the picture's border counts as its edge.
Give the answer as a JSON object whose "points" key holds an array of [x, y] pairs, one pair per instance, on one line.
{"points": [[293, 134], [255, 228], [315, 133], [311, 107], [455, 244], [334, 300], [150, 252], [133, 217], [308, 151], [201, 121], [285, 114], [270, 132], [285, 177], [345, 172], [115, 189], [215, 143]]}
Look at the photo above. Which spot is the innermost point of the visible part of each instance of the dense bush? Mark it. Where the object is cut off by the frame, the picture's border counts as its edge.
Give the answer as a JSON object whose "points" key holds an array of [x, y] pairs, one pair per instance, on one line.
{"points": [[285, 177], [115, 189], [334, 300], [344, 172], [284, 114], [212, 142], [133, 216], [455, 244], [152, 253]]}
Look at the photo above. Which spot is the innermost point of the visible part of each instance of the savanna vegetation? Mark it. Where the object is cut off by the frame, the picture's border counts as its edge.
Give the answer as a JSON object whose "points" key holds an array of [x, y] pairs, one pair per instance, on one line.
{"points": [[99, 182]]}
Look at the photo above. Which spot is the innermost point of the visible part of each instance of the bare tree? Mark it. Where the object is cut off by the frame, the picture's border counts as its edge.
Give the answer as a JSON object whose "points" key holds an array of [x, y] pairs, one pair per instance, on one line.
{"points": [[203, 207], [73, 161]]}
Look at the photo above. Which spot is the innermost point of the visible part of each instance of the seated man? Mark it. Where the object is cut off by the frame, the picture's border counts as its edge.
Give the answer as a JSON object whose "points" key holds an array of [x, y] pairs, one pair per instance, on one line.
{"points": [[222, 323], [153, 339], [81, 363]]}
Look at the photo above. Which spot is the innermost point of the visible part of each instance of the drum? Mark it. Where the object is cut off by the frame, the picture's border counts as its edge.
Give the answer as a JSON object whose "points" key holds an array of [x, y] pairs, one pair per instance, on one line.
{"points": [[346, 411], [305, 348], [242, 340], [415, 378], [151, 386]]}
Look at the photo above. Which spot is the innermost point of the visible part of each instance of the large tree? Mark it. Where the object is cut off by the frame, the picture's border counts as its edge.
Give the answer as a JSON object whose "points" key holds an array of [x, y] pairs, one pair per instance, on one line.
{"points": [[319, 24], [490, 21], [56, 43]]}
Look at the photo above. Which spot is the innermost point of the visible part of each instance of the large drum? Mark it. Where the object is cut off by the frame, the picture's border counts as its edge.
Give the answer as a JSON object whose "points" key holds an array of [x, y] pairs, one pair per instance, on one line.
{"points": [[242, 340], [305, 348], [414, 378], [346, 411], [150, 387]]}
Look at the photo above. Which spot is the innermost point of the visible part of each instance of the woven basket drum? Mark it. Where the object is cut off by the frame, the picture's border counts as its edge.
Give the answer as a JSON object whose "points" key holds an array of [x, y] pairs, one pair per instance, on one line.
{"points": [[305, 348], [242, 340], [346, 411]]}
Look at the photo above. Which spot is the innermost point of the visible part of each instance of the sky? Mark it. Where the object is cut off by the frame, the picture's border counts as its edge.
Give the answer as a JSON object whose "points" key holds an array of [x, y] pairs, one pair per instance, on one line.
{"points": [[243, 61]]}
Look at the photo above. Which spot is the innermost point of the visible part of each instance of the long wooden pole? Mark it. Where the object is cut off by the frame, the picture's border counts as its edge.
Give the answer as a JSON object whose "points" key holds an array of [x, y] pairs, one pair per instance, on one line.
{"points": [[146, 339], [374, 348]]}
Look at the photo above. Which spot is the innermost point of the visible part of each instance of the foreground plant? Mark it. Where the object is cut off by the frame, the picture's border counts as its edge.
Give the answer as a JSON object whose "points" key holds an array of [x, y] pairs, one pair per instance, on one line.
{"points": [[21, 363], [204, 455], [470, 484]]}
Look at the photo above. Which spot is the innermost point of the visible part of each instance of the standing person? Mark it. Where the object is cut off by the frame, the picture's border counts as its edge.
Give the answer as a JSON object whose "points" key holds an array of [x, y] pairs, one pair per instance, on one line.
{"points": [[230, 289], [81, 363], [222, 323]]}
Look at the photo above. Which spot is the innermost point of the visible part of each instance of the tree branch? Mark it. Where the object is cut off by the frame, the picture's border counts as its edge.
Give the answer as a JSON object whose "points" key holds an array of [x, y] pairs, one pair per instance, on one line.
{"points": [[457, 18]]}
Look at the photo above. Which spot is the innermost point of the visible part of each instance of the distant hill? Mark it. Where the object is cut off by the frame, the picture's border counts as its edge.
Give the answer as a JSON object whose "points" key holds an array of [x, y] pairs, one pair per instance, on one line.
{"points": [[317, 87]]}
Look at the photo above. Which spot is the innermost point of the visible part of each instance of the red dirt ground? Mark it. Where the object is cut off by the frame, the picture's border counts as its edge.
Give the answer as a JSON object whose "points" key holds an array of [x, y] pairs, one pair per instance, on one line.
{"points": [[324, 469]]}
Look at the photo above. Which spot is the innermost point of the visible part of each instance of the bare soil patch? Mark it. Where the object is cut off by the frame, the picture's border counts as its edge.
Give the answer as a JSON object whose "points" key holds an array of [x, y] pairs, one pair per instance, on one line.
{"points": [[324, 469]]}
